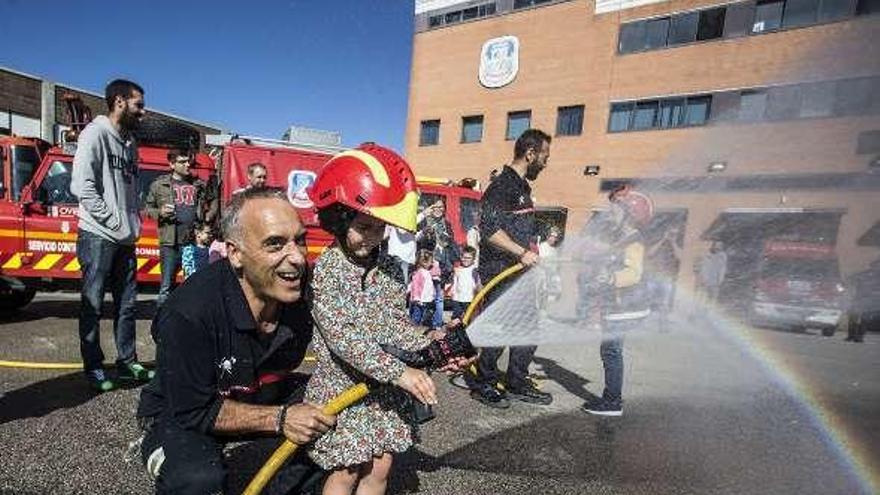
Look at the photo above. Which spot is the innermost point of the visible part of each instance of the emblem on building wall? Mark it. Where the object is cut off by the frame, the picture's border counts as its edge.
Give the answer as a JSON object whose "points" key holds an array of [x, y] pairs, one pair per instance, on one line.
{"points": [[499, 61]]}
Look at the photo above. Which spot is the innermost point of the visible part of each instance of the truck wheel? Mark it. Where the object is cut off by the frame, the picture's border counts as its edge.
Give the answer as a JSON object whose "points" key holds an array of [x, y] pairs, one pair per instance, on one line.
{"points": [[828, 331], [17, 299], [166, 132]]}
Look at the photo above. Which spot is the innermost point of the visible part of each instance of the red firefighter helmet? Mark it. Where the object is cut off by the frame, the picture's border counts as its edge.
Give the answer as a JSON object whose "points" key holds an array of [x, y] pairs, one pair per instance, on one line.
{"points": [[370, 179], [637, 205]]}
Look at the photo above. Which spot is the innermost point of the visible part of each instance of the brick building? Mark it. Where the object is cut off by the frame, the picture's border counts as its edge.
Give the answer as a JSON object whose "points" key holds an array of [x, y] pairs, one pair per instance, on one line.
{"points": [[33, 106], [744, 120]]}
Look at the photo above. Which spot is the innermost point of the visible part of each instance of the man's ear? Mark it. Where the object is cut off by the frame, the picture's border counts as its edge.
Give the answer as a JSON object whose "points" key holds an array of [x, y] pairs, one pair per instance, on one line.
{"points": [[234, 255]]}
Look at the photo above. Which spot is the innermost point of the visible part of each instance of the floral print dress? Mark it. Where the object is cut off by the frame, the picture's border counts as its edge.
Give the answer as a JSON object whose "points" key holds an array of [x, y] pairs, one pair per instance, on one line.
{"points": [[355, 311]]}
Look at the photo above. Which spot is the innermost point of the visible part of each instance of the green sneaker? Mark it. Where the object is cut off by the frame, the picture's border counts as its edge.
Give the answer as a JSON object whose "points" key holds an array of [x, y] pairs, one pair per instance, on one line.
{"points": [[99, 382], [136, 372]]}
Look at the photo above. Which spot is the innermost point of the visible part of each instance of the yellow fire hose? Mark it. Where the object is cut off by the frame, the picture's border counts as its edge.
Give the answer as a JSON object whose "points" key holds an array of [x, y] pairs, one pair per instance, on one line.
{"points": [[352, 395], [36, 365]]}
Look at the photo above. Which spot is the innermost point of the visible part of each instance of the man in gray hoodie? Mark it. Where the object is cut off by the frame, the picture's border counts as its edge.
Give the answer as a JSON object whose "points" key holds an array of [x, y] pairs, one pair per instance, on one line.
{"points": [[105, 179]]}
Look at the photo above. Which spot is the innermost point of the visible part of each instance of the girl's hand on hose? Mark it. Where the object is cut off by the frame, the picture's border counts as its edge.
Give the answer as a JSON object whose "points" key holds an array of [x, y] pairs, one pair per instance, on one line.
{"points": [[419, 384], [305, 423], [457, 363]]}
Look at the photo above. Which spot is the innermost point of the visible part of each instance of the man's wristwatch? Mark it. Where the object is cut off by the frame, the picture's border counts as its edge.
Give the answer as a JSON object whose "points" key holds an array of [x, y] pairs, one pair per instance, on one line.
{"points": [[280, 419]]}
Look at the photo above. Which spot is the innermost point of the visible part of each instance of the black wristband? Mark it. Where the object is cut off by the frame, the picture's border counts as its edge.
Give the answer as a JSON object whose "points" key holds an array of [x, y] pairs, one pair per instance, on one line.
{"points": [[281, 419]]}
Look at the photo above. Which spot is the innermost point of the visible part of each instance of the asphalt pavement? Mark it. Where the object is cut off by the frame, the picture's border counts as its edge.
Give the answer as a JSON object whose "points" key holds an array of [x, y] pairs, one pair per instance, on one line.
{"points": [[709, 408]]}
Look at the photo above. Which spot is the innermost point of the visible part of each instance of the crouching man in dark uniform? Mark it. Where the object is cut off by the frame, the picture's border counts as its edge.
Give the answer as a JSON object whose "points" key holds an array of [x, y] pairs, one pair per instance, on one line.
{"points": [[227, 341]]}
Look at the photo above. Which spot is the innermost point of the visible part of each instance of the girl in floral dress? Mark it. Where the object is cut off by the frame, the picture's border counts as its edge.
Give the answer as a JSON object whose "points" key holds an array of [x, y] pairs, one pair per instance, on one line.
{"points": [[358, 305]]}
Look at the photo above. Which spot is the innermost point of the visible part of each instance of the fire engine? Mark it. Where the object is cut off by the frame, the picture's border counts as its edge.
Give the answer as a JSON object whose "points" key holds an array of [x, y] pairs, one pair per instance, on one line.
{"points": [[38, 213]]}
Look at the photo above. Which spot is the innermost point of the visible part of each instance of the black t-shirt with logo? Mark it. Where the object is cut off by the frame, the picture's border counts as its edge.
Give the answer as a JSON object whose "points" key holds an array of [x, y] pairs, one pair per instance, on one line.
{"points": [[184, 209], [506, 205]]}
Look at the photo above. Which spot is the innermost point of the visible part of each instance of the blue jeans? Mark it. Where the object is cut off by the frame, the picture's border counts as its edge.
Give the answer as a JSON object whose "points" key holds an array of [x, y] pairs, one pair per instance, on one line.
{"points": [[437, 321], [611, 351], [418, 312], [103, 261], [169, 259]]}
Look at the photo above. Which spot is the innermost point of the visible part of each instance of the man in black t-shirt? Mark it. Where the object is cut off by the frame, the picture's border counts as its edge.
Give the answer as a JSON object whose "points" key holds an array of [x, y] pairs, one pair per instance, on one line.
{"points": [[507, 237], [176, 201], [227, 342]]}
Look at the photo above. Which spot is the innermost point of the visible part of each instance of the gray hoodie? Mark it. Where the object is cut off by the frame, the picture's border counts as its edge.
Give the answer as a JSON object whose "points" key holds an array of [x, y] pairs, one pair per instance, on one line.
{"points": [[105, 179]]}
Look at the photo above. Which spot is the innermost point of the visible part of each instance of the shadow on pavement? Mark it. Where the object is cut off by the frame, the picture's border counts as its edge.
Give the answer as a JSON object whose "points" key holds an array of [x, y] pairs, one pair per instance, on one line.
{"points": [[41, 398], [69, 310], [572, 382]]}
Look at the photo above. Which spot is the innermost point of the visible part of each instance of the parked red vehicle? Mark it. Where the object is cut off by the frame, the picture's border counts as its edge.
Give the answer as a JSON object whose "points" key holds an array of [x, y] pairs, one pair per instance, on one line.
{"points": [[38, 221], [293, 167], [798, 286]]}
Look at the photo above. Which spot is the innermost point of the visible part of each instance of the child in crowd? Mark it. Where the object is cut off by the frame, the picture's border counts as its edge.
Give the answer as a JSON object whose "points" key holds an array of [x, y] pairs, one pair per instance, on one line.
{"points": [[194, 257], [465, 283], [358, 305], [421, 289]]}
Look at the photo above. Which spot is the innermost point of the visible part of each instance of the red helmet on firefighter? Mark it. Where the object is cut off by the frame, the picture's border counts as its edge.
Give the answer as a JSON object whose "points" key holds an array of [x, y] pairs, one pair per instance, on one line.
{"points": [[370, 179], [638, 206]]}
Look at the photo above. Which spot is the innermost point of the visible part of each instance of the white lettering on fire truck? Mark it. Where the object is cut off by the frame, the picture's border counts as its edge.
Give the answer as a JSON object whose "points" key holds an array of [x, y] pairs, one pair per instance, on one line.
{"points": [[142, 251], [51, 246]]}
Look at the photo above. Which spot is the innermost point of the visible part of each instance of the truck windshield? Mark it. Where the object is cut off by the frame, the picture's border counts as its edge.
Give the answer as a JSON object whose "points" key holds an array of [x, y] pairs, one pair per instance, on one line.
{"points": [[24, 162], [55, 188]]}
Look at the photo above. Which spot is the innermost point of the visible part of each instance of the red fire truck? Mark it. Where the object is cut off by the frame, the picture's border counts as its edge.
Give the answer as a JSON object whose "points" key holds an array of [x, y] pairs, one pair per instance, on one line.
{"points": [[38, 222]]}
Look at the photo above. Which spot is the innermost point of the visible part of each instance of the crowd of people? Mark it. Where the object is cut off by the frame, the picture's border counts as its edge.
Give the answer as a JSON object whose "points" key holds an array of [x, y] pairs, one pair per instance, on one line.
{"points": [[228, 339]]}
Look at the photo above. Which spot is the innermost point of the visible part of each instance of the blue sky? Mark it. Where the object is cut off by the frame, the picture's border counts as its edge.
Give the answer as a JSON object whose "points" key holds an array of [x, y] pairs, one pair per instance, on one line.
{"points": [[252, 67]]}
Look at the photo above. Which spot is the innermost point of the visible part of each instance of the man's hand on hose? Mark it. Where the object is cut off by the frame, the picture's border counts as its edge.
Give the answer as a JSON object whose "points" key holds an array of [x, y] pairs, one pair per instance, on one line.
{"points": [[419, 384], [305, 423], [529, 258]]}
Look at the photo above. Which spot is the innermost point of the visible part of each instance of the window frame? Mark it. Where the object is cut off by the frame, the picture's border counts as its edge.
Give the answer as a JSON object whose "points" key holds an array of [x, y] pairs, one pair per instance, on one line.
{"points": [[510, 116], [464, 123], [764, 29], [422, 128], [578, 114]]}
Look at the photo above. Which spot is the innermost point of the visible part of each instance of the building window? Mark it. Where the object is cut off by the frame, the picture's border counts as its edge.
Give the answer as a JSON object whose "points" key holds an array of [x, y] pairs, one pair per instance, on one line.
{"points": [[656, 31], [751, 105], [698, 110], [472, 129], [645, 116], [667, 113], [818, 99], [517, 123], [672, 113], [683, 28], [865, 7], [800, 13], [853, 97], [768, 15], [453, 17], [621, 114], [570, 121], [678, 29], [521, 4], [457, 16], [430, 133], [832, 10], [711, 24]]}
